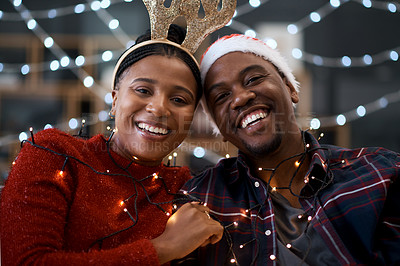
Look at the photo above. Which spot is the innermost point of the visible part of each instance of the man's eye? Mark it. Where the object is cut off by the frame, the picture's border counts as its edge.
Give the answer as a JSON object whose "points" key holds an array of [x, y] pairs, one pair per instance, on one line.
{"points": [[254, 80], [221, 96]]}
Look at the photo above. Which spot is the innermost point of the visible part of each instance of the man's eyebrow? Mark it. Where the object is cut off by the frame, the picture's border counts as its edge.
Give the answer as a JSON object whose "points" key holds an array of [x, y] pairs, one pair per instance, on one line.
{"points": [[251, 68], [241, 73], [214, 86]]}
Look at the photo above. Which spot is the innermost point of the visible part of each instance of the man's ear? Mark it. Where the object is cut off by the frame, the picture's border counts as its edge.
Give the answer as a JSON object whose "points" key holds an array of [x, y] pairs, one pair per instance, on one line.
{"points": [[292, 91]]}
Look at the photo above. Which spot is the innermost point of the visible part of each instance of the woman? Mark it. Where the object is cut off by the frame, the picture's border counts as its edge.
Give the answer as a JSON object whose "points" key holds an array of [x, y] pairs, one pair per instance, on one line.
{"points": [[107, 201]]}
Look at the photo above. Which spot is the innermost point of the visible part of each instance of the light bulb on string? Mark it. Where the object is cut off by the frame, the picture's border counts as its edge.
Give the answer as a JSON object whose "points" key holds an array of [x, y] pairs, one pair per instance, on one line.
{"points": [[335, 3], [341, 120], [17, 3], [95, 5], [292, 29], [52, 13], [367, 59], [251, 33], [103, 116], [25, 69], [394, 55], [31, 24], [315, 17], [361, 111], [317, 60], [255, 3], [88, 82], [23, 136], [48, 42], [107, 56], [54, 65], [105, 4], [297, 53], [346, 61], [392, 7], [367, 3], [64, 62], [113, 24], [315, 123], [79, 8], [80, 60]]}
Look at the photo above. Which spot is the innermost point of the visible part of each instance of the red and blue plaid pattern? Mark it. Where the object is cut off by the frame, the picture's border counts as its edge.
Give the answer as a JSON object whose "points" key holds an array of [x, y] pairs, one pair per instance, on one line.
{"points": [[357, 213]]}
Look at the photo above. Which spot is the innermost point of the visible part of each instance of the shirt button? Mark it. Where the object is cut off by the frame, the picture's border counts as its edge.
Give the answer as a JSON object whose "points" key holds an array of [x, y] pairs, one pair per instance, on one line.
{"points": [[256, 184], [268, 232], [272, 257]]}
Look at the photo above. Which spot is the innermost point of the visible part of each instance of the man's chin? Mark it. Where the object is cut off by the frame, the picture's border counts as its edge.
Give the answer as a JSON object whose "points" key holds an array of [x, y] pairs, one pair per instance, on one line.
{"points": [[264, 148]]}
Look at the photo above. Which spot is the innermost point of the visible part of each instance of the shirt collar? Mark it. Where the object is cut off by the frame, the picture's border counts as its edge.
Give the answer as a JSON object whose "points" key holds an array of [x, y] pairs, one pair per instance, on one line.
{"points": [[317, 169]]}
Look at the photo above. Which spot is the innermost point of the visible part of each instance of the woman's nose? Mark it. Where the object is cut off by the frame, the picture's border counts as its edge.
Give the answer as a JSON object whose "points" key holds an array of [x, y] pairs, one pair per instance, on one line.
{"points": [[158, 107]]}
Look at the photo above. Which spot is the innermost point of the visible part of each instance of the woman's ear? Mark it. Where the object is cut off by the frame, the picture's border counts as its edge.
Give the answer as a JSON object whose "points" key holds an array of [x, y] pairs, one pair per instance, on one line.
{"points": [[292, 91], [114, 94]]}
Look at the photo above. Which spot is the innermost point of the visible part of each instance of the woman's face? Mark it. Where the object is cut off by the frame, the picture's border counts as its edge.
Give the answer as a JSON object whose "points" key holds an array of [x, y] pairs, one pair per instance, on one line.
{"points": [[153, 107]]}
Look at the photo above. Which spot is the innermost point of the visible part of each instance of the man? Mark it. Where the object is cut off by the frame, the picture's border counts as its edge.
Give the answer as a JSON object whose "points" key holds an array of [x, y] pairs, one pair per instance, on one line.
{"points": [[286, 199]]}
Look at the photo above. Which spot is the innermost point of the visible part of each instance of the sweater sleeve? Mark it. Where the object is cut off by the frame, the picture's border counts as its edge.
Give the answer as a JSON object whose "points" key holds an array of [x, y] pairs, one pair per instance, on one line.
{"points": [[34, 213]]}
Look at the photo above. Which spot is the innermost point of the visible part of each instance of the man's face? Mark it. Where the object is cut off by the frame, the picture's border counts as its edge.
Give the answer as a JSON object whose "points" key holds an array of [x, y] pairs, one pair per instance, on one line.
{"points": [[250, 102]]}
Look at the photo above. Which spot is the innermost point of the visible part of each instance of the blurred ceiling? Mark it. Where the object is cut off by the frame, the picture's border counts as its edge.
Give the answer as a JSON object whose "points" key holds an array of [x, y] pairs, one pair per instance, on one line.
{"points": [[344, 28]]}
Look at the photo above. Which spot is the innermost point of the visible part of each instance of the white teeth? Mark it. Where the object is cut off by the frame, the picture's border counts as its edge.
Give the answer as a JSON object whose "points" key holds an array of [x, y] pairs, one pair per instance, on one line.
{"points": [[156, 130], [253, 118]]}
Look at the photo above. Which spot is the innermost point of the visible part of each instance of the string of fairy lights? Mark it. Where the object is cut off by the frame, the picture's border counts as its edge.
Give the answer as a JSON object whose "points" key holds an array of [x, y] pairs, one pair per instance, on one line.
{"points": [[234, 252], [133, 212], [88, 81], [316, 183], [63, 61]]}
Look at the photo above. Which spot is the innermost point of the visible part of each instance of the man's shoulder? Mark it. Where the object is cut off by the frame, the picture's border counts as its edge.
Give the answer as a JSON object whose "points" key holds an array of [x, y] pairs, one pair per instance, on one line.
{"points": [[223, 168], [336, 153]]}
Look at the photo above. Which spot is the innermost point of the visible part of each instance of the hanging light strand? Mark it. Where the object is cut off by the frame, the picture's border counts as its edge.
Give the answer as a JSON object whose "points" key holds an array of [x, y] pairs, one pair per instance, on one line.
{"points": [[54, 12], [58, 52]]}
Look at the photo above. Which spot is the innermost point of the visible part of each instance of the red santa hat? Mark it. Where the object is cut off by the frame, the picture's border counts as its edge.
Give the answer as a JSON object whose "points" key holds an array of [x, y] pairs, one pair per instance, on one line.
{"points": [[245, 44]]}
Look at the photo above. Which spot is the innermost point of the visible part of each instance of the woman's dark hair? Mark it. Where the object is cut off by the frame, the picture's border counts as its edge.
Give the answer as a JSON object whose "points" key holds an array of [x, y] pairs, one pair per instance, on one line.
{"points": [[175, 34]]}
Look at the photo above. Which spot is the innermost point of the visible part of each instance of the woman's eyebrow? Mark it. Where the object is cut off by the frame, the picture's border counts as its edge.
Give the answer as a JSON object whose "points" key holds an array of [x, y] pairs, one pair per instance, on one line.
{"points": [[152, 81]]}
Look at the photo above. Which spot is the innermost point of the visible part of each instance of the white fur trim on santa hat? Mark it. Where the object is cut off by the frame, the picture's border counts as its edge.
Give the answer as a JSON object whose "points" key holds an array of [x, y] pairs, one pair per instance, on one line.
{"points": [[245, 44]]}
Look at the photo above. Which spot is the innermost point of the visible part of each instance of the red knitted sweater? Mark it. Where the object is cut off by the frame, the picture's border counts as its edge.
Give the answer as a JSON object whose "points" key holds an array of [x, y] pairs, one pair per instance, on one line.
{"points": [[52, 218]]}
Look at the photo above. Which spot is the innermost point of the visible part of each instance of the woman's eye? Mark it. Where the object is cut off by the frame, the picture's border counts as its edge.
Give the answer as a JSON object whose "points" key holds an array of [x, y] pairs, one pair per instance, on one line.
{"points": [[142, 90], [179, 100]]}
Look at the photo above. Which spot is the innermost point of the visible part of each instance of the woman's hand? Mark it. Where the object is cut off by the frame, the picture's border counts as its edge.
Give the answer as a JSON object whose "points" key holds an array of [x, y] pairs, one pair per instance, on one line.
{"points": [[189, 228]]}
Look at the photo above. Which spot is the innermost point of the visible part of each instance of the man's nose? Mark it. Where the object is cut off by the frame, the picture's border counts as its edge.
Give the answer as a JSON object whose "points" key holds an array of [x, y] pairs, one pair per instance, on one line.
{"points": [[241, 97]]}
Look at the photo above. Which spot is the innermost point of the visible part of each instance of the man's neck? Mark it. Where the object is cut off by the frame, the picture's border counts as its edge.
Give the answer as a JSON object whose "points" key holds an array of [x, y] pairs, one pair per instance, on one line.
{"points": [[282, 168]]}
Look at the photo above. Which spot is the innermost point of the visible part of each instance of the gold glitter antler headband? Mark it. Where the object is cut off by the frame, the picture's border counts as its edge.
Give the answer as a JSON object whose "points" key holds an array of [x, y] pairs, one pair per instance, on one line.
{"points": [[198, 29]]}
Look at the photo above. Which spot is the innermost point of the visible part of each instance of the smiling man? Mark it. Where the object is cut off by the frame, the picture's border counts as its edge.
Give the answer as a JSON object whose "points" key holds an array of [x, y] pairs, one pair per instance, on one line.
{"points": [[286, 199]]}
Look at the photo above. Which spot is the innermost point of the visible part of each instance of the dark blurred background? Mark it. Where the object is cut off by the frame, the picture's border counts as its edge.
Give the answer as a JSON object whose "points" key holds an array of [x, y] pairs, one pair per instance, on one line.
{"points": [[344, 53]]}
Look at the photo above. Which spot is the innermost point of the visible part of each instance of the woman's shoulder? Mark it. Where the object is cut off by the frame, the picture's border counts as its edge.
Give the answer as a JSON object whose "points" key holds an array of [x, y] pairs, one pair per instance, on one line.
{"points": [[59, 141]]}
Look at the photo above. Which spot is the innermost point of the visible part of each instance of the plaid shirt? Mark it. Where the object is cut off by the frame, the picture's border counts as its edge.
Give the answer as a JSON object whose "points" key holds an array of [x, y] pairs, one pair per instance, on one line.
{"points": [[357, 213]]}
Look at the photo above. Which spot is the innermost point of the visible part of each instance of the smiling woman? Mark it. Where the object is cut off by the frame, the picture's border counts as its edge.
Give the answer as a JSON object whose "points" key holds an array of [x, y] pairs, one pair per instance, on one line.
{"points": [[153, 111], [109, 201]]}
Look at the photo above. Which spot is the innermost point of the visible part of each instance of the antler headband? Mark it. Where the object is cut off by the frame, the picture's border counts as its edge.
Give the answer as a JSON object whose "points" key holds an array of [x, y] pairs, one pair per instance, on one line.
{"points": [[197, 29]]}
